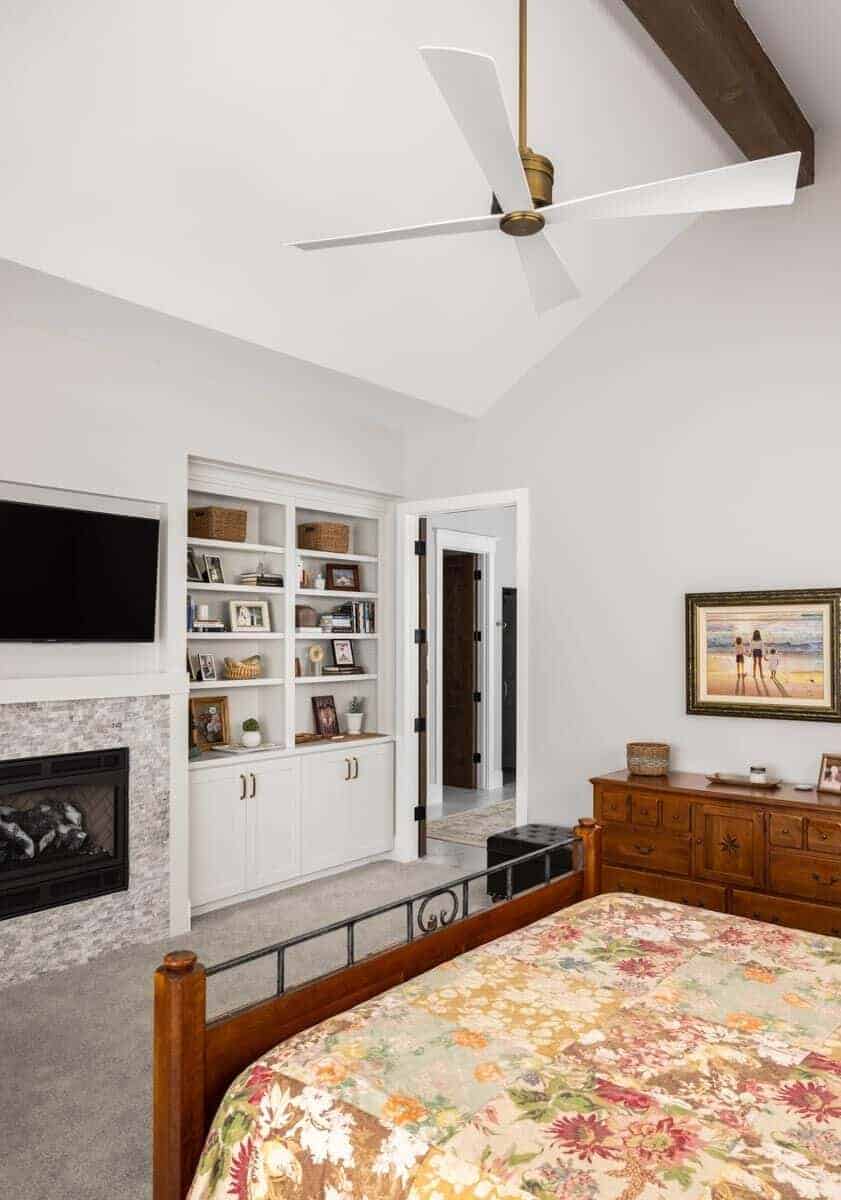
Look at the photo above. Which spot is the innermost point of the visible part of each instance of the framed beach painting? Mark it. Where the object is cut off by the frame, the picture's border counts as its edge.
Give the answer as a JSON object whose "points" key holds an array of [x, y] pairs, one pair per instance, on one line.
{"points": [[764, 654]]}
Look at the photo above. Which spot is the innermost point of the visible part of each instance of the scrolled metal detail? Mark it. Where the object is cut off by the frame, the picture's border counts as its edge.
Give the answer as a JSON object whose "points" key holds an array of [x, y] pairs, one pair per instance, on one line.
{"points": [[439, 920]]}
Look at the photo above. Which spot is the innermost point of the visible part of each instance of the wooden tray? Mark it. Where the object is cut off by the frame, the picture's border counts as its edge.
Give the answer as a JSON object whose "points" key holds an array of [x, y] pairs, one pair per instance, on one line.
{"points": [[743, 781]]}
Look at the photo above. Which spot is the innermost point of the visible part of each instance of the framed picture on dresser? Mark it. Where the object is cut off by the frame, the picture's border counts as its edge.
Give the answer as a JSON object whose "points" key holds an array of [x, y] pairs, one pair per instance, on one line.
{"points": [[764, 654]]}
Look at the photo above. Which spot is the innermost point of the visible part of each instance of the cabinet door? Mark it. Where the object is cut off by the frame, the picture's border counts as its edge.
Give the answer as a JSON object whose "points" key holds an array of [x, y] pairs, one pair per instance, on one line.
{"points": [[325, 799], [217, 836], [274, 823], [728, 844], [371, 802]]}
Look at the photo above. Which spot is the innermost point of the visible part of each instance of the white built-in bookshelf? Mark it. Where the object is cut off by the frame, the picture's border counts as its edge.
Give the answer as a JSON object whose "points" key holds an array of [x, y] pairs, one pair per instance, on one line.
{"points": [[279, 699]]}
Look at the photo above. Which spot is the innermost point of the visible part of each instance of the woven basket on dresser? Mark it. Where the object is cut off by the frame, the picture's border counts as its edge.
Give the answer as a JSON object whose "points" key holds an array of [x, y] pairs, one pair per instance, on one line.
{"points": [[648, 758], [329, 536], [221, 524]]}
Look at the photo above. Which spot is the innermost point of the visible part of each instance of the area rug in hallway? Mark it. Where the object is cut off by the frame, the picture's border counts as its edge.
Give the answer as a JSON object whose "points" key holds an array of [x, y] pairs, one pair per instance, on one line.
{"points": [[473, 828]]}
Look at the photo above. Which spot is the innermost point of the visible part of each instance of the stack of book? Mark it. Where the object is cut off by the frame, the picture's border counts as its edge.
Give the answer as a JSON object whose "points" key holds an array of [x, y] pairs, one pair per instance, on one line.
{"points": [[343, 670], [255, 579], [356, 616], [208, 626]]}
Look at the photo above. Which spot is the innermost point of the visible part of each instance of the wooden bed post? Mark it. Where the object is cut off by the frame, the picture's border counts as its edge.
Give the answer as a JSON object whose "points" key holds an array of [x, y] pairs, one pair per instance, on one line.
{"points": [[591, 841], [178, 1124]]}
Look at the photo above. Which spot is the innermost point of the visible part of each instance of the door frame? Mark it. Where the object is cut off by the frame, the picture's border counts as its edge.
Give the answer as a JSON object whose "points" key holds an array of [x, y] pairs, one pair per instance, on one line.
{"points": [[482, 548], [406, 656]]}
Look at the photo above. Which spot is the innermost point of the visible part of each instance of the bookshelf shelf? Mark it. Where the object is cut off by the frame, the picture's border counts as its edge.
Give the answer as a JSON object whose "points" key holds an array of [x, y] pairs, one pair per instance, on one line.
{"points": [[329, 680], [222, 685], [329, 637], [250, 588], [326, 556], [337, 595], [234, 637], [247, 547]]}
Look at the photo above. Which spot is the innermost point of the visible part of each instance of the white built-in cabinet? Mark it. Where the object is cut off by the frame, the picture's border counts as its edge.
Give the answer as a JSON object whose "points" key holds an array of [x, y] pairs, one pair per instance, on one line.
{"points": [[264, 824], [261, 820]]}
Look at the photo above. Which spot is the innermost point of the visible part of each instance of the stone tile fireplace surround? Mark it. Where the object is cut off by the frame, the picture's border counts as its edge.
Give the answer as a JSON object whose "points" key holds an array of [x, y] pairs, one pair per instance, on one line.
{"points": [[73, 933]]}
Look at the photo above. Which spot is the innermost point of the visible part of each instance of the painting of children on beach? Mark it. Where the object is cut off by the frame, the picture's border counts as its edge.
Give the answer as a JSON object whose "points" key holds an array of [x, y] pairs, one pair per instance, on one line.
{"points": [[764, 655]]}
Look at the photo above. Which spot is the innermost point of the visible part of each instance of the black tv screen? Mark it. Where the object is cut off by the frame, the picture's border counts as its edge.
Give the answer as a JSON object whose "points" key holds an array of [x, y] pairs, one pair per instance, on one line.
{"points": [[75, 576]]}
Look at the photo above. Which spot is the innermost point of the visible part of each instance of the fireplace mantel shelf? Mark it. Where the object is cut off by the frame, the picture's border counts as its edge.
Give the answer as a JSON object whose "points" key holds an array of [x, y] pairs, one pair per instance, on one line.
{"points": [[91, 687]]}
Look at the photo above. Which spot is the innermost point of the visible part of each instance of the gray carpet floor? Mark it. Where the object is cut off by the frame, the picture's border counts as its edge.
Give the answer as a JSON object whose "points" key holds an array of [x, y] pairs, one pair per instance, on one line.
{"points": [[75, 1084]]}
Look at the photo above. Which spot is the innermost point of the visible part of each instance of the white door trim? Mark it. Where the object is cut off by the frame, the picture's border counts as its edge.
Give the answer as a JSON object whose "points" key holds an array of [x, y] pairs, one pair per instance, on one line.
{"points": [[406, 658]]}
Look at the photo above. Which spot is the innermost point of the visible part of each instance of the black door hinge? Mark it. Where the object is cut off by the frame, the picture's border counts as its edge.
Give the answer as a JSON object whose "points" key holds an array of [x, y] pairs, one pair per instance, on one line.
{"points": [[420, 548], [420, 637], [477, 574], [477, 635], [420, 812], [420, 725], [477, 697], [477, 758]]}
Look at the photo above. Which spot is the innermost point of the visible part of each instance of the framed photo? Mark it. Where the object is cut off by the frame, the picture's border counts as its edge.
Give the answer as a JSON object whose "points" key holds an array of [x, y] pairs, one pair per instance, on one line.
{"points": [[192, 667], [325, 717], [829, 779], [213, 568], [764, 654], [249, 616], [194, 575], [343, 652], [207, 666], [342, 577], [210, 720]]}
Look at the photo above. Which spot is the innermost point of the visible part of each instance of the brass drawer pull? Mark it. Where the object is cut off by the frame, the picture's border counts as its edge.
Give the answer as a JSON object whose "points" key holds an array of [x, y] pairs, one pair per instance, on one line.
{"points": [[640, 849], [831, 882]]}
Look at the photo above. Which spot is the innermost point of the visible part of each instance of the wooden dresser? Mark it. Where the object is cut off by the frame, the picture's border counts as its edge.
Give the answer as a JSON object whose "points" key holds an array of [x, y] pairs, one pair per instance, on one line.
{"points": [[772, 855]]}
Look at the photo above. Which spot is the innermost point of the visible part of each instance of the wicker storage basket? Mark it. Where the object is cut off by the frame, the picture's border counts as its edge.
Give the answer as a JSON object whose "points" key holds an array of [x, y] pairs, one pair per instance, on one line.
{"points": [[224, 524], [242, 670], [648, 758], [324, 535]]}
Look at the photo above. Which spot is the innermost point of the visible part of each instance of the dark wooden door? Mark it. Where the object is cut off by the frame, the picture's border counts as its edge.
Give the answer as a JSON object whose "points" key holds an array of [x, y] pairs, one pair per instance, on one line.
{"points": [[509, 679], [728, 844], [458, 647]]}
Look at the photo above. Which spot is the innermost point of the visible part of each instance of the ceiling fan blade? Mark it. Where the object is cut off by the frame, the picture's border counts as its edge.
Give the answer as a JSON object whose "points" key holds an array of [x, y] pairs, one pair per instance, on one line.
{"points": [[549, 281], [437, 229], [469, 82], [759, 184]]}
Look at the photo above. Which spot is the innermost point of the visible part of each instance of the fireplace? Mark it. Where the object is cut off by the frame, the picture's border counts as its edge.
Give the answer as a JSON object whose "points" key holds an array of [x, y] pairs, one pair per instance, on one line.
{"points": [[63, 829]]}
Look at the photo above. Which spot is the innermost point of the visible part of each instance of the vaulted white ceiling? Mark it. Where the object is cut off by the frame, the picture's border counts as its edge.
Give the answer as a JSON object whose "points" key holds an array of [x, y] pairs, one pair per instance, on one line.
{"points": [[162, 152]]}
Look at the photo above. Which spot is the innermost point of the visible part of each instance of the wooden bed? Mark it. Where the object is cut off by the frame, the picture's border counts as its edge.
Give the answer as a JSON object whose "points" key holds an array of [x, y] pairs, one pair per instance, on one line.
{"points": [[195, 1060]]}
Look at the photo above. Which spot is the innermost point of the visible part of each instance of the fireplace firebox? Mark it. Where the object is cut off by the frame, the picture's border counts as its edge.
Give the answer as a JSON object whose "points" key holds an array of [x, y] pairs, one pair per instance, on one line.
{"points": [[63, 829]]}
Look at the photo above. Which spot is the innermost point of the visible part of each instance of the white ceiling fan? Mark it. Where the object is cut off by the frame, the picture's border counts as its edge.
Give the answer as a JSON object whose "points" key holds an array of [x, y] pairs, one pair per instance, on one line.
{"points": [[521, 180]]}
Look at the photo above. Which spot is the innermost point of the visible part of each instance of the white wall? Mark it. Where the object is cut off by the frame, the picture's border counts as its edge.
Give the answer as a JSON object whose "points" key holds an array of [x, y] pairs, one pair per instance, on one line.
{"points": [[498, 523], [686, 439]]}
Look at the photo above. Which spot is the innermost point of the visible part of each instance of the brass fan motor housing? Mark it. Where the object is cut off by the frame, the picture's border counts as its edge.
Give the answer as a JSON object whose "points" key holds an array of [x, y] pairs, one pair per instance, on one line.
{"points": [[540, 176]]}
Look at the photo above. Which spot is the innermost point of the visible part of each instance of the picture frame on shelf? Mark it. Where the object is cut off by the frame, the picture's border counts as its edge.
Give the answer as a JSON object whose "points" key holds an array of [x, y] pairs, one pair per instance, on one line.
{"points": [[829, 778], [342, 577], [343, 652], [764, 654], [325, 717], [249, 616], [210, 721], [213, 568], [194, 574], [192, 668], [207, 667]]}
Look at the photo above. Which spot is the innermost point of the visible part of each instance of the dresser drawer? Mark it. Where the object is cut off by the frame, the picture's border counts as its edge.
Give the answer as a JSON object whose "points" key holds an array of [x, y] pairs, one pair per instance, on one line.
{"points": [[785, 831], [644, 809], [795, 914], [824, 836], [614, 805], [675, 813], [652, 848], [796, 874], [664, 887]]}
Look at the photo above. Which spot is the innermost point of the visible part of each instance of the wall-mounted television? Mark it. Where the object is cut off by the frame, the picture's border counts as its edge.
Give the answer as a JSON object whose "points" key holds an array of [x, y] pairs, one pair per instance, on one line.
{"points": [[69, 575]]}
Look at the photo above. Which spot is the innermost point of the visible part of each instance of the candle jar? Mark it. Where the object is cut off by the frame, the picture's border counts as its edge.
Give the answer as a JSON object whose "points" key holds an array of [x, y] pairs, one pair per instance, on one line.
{"points": [[758, 774]]}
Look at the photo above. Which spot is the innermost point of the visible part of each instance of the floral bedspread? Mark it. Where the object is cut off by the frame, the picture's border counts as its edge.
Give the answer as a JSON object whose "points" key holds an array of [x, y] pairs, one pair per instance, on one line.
{"points": [[622, 1049]]}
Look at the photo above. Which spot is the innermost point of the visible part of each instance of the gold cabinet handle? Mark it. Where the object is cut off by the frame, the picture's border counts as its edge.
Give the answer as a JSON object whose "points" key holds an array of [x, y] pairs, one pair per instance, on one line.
{"points": [[348, 776], [253, 792], [641, 849], [244, 786], [355, 767]]}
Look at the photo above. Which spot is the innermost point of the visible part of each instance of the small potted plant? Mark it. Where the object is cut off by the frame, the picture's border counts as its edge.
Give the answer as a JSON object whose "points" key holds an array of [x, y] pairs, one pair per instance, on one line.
{"points": [[355, 715], [251, 736]]}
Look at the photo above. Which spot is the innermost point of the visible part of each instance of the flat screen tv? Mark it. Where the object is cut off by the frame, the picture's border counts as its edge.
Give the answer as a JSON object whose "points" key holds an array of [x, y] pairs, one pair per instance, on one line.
{"points": [[74, 576]]}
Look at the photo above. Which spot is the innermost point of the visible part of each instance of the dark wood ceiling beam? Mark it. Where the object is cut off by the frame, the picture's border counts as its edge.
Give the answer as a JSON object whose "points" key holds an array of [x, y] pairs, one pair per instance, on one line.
{"points": [[714, 49]]}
